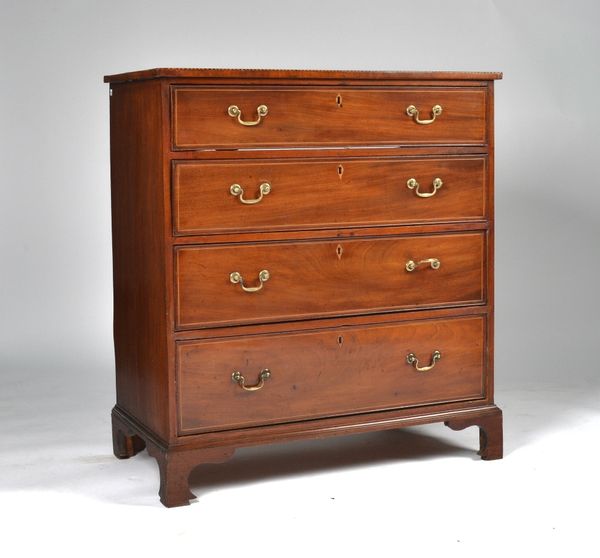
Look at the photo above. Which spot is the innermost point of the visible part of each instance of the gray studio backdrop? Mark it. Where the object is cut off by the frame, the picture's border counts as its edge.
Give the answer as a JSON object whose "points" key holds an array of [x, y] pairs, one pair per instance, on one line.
{"points": [[55, 280]]}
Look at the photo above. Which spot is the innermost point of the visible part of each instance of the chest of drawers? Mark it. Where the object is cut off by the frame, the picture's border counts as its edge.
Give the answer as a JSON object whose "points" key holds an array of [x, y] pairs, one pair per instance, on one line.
{"points": [[299, 254]]}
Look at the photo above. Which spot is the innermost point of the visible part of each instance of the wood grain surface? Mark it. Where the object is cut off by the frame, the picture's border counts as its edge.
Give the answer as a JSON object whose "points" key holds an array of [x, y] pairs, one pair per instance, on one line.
{"points": [[339, 312], [318, 278], [139, 254], [325, 193], [331, 372], [347, 116], [301, 76]]}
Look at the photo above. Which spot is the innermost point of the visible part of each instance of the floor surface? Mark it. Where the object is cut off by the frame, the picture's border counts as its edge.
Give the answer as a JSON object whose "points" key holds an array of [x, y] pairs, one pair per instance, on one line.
{"points": [[416, 492]]}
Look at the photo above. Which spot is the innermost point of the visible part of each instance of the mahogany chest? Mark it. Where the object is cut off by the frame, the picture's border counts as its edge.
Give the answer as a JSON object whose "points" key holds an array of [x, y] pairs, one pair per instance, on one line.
{"points": [[299, 254]]}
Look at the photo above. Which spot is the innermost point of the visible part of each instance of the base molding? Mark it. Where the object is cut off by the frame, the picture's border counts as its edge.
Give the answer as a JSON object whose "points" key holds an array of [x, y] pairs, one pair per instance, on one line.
{"points": [[177, 460]]}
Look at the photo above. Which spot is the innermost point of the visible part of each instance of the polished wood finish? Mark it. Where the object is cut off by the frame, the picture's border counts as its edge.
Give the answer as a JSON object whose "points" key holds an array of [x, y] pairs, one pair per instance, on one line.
{"points": [[330, 152], [490, 432], [314, 279], [339, 313], [278, 75], [140, 331], [328, 372], [341, 116], [175, 468], [329, 234], [199, 449], [126, 443], [328, 193]]}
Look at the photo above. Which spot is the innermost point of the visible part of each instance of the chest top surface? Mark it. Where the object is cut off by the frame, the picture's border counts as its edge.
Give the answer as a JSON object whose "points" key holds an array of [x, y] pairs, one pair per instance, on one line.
{"points": [[224, 73]]}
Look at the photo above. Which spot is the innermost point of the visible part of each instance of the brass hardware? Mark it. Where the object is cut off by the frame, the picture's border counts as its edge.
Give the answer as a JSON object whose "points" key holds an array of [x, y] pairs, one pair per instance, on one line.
{"points": [[414, 185], [411, 110], [234, 111], [237, 377], [339, 251], [412, 359], [237, 190], [340, 170], [236, 277], [338, 101], [433, 262]]}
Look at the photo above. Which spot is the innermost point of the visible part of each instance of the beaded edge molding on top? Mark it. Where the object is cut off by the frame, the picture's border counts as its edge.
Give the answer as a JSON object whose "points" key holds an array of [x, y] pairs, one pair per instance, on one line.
{"points": [[154, 73]]}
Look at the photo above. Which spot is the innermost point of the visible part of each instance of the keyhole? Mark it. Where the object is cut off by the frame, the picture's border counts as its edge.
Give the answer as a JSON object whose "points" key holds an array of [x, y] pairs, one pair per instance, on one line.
{"points": [[340, 340], [339, 251], [340, 171], [338, 101]]}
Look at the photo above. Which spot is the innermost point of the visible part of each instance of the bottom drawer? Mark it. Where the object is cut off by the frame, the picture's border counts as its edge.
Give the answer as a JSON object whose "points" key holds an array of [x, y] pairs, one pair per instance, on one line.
{"points": [[337, 371]]}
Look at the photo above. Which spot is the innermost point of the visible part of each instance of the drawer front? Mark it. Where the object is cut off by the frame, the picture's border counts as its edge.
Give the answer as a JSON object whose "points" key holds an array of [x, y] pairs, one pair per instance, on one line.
{"points": [[325, 194], [328, 372], [201, 116], [309, 279]]}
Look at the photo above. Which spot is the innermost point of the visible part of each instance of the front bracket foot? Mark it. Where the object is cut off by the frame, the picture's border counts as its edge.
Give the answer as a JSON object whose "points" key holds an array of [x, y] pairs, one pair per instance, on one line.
{"points": [[490, 432]]}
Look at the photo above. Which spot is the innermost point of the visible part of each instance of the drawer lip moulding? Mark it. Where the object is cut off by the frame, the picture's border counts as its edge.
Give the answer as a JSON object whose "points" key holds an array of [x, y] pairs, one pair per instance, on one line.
{"points": [[302, 116], [312, 279], [329, 372], [215, 196]]}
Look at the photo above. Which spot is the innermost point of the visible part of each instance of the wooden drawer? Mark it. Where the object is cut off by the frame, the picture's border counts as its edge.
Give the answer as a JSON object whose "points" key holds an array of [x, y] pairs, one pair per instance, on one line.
{"points": [[324, 194], [328, 372], [316, 116], [309, 279]]}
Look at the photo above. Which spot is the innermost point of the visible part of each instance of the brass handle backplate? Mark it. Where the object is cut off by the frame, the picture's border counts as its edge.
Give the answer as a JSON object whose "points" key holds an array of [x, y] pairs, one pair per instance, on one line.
{"points": [[236, 277], [237, 377], [412, 111], [235, 112], [414, 185], [237, 190], [411, 265], [412, 359]]}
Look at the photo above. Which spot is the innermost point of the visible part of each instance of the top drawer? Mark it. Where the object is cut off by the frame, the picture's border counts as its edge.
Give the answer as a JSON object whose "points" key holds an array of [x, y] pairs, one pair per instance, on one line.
{"points": [[204, 117]]}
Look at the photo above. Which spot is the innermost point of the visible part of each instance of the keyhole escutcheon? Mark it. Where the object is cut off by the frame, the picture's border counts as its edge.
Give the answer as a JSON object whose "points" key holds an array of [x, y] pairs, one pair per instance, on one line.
{"points": [[339, 251]]}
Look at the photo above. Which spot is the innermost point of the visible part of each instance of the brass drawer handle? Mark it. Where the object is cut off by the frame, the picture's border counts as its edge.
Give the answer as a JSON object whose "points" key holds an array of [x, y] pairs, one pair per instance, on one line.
{"points": [[235, 111], [414, 185], [433, 262], [237, 377], [237, 190], [411, 110], [412, 359], [236, 277]]}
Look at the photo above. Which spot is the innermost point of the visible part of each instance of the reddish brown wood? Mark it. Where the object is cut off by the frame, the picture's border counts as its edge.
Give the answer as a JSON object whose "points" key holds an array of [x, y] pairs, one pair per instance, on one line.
{"points": [[490, 245], [327, 373], [330, 234], [313, 279], [339, 259], [340, 75], [331, 193], [126, 443], [331, 152], [490, 432], [175, 468], [328, 323], [300, 116], [139, 273], [176, 463]]}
